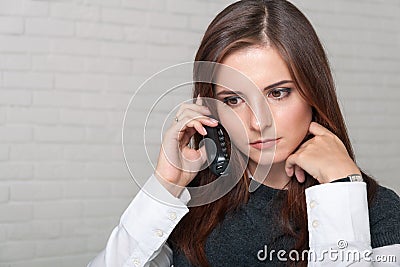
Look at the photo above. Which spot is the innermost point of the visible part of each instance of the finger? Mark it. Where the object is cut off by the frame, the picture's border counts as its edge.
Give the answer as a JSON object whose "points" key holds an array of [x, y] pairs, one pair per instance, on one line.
{"points": [[189, 115], [203, 110], [203, 154], [185, 136], [198, 126], [186, 129], [299, 172], [318, 129], [199, 100], [290, 164]]}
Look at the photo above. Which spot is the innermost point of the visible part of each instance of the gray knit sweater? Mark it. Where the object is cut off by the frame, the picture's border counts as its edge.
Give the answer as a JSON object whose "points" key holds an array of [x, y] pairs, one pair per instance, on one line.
{"points": [[236, 241]]}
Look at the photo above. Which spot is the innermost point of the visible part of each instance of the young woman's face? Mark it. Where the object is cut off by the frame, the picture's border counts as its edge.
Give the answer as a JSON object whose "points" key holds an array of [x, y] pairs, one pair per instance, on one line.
{"points": [[266, 121]]}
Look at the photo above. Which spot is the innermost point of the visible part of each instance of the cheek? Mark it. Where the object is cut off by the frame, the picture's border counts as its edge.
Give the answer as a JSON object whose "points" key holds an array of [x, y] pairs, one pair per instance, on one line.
{"points": [[233, 122], [293, 120]]}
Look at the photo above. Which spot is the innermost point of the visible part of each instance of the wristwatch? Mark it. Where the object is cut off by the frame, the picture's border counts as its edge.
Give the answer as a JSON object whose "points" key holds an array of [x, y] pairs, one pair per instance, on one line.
{"points": [[350, 178]]}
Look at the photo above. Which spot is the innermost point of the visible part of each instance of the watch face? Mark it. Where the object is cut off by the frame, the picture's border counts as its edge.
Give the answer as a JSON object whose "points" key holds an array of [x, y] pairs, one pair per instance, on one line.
{"points": [[355, 178]]}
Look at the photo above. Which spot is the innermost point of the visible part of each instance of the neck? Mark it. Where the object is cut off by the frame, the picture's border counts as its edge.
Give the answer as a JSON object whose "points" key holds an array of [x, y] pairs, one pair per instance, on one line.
{"points": [[276, 175]]}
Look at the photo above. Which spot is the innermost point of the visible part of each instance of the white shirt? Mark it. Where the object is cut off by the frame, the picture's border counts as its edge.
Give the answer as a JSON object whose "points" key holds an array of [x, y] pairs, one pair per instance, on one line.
{"points": [[338, 225]]}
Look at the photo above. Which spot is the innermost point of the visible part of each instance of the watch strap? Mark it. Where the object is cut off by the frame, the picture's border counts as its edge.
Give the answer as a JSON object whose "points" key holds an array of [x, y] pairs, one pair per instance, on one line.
{"points": [[350, 178]]}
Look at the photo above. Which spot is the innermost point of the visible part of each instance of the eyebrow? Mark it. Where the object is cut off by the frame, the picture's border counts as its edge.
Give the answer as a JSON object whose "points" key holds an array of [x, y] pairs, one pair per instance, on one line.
{"points": [[228, 92], [277, 84]]}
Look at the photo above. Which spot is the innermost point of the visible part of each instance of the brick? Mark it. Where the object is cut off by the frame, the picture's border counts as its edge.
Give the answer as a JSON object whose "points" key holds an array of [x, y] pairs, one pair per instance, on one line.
{"points": [[88, 226], [15, 62], [104, 3], [123, 83], [2, 115], [216, 7], [3, 235], [101, 208], [174, 53], [153, 5], [27, 191], [123, 16], [11, 7], [15, 134], [57, 63], [105, 101], [4, 195], [186, 7], [84, 81], [24, 44], [60, 247], [83, 117], [57, 209], [145, 68], [36, 8], [33, 230], [103, 135], [138, 34], [27, 80], [36, 152], [199, 23], [108, 65], [74, 11], [16, 171], [59, 134], [99, 171], [56, 99], [115, 117], [124, 189], [84, 190], [76, 46], [14, 251], [162, 36], [99, 31], [94, 152], [49, 27], [13, 212], [4, 152], [11, 25], [40, 262], [123, 50], [32, 115], [165, 20], [59, 171]]}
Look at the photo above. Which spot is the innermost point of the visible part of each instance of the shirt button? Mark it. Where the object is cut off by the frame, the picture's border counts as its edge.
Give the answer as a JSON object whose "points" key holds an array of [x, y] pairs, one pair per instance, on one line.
{"points": [[315, 223], [159, 233], [313, 204], [136, 261], [172, 216]]}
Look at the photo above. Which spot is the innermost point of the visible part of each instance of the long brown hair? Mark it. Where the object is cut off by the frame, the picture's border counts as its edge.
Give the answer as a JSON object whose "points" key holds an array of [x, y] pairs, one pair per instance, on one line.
{"points": [[279, 24]]}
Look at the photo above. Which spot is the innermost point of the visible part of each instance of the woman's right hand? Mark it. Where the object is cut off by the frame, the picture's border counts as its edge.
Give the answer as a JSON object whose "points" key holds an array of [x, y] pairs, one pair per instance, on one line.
{"points": [[177, 163]]}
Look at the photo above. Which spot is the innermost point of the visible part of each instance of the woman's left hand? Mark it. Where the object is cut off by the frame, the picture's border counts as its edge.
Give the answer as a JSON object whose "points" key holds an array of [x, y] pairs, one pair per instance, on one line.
{"points": [[324, 157]]}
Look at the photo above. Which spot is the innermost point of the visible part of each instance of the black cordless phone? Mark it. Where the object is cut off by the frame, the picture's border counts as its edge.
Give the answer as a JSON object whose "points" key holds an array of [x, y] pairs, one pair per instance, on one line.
{"points": [[218, 158]]}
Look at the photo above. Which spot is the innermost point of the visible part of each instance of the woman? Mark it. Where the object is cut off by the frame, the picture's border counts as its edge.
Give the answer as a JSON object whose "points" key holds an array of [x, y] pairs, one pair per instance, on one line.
{"points": [[313, 196]]}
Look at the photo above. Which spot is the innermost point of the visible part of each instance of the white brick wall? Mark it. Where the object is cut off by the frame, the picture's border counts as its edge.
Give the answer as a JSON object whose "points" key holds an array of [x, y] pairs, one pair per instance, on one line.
{"points": [[69, 68]]}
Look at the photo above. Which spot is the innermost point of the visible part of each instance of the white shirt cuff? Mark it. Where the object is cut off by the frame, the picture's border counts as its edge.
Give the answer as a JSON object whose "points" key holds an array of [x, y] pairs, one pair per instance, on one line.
{"points": [[152, 215], [338, 211]]}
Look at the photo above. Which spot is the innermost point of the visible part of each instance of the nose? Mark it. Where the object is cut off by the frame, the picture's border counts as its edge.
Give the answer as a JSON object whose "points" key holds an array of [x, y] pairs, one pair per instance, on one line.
{"points": [[260, 115]]}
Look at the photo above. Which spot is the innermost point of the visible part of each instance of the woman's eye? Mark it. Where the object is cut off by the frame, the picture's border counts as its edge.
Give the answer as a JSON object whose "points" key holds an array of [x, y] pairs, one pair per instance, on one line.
{"points": [[232, 100], [279, 93]]}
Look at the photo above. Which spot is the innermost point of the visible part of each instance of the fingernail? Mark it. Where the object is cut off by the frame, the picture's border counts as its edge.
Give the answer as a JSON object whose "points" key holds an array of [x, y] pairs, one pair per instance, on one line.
{"points": [[213, 120], [204, 131]]}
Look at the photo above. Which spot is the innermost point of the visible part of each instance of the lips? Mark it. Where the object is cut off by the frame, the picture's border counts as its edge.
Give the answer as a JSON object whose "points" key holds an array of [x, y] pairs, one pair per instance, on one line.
{"points": [[264, 144]]}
